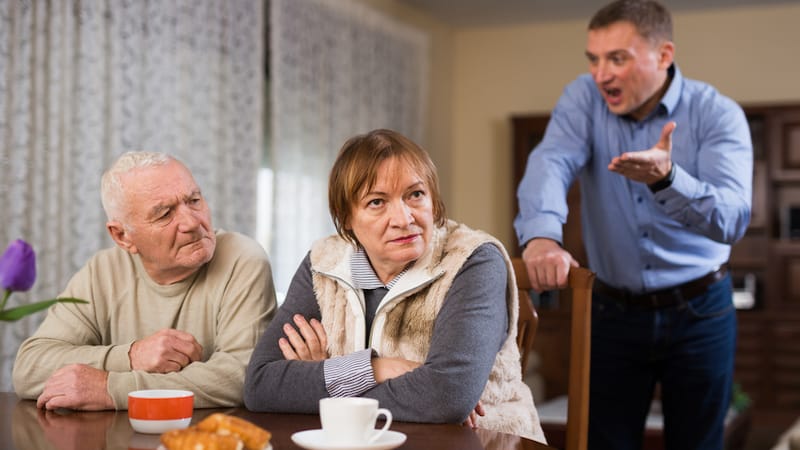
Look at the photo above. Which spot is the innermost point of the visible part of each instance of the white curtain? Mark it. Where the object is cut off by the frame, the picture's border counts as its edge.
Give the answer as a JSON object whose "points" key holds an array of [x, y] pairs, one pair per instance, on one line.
{"points": [[82, 81], [337, 69]]}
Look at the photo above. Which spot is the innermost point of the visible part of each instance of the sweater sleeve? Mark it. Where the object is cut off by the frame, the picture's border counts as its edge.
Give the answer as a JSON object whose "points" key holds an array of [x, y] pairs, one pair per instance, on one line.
{"points": [[274, 384], [469, 331], [69, 334]]}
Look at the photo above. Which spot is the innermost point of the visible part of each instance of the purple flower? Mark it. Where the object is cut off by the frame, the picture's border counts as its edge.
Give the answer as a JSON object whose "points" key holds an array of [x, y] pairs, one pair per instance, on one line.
{"points": [[18, 267]]}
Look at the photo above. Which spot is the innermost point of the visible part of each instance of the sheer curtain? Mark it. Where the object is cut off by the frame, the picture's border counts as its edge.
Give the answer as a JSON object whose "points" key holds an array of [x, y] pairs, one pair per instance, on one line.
{"points": [[82, 81], [337, 69]]}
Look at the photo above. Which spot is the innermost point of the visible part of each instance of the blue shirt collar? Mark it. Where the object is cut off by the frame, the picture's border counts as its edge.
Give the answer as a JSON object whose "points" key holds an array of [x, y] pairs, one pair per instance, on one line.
{"points": [[673, 95]]}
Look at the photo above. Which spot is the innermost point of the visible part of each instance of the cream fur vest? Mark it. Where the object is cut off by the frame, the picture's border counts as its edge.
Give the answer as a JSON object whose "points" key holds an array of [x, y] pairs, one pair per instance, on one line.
{"points": [[403, 324]]}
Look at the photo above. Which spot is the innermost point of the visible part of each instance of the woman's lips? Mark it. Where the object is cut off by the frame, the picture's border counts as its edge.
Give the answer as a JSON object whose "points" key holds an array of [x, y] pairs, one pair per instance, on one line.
{"points": [[405, 239]]}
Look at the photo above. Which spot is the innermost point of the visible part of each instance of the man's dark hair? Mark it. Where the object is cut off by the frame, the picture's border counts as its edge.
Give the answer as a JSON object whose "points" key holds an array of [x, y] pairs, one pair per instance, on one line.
{"points": [[651, 19]]}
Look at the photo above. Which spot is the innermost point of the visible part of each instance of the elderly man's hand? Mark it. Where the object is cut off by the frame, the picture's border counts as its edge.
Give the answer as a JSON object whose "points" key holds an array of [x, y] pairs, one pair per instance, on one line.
{"points": [[309, 344], [165, 351], [76, 386], [548, 264]]}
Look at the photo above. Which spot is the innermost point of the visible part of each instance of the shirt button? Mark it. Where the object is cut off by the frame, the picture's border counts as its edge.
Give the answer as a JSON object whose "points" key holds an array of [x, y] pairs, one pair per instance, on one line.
{"points": [[662, 202], [639, 199], [645, 234], [647, 266]]}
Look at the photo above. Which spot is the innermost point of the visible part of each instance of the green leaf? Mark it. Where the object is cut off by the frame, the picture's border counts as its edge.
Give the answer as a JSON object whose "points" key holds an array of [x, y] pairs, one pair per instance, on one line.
{"points": [[19, 312]]}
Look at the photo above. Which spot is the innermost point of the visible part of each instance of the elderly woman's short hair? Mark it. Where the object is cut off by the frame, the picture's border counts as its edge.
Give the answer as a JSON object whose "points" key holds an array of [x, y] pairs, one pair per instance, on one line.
{"points": [[355, 172]]}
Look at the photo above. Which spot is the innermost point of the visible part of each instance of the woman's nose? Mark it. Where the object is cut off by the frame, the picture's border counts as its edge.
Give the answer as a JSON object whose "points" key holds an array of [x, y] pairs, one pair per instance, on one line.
{"points": [[401, 214]]}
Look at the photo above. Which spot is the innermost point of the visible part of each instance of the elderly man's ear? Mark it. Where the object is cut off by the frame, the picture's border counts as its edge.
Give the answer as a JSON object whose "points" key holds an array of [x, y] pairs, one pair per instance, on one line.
{"points": [[120, 236]]}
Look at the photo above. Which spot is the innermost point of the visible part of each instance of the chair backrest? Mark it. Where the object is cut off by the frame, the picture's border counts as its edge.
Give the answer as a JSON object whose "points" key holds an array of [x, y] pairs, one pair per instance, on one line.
{"points": [[580, 287], [527, 323]]}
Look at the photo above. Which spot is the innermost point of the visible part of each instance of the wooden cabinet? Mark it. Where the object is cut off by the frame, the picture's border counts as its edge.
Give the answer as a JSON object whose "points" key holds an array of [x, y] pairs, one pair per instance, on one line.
{"points": [[768, 345]]}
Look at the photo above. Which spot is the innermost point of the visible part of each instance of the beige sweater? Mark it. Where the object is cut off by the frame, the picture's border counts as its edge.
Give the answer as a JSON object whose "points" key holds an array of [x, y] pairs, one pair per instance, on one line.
{"points": [[225, 306], [403, 324]]}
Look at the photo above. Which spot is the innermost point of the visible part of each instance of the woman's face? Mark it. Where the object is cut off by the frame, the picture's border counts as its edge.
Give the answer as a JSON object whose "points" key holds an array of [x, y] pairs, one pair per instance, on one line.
{"points": [[394, 220]]}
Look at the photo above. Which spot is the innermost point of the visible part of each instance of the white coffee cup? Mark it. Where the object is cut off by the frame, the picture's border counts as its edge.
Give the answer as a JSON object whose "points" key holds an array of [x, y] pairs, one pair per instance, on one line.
{"points": [[351, 420]]}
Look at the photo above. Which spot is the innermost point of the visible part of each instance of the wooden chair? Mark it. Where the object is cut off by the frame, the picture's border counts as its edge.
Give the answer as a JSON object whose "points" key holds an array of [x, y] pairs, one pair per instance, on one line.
{"points": [[580, 286], [527, 323]]}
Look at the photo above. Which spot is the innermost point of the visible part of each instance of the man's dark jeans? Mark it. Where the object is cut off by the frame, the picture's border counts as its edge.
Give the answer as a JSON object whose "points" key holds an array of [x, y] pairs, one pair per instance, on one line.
{"points": [[688, 348]]}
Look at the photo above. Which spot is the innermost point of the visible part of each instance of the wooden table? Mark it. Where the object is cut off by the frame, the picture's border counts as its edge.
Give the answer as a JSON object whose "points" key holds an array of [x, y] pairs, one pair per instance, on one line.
{"points": [[25, 427]]}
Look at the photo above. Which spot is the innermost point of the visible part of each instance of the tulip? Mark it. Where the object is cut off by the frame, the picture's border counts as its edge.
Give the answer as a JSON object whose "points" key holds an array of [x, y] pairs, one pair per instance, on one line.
{"points": [[17, 273], [18, 267]]}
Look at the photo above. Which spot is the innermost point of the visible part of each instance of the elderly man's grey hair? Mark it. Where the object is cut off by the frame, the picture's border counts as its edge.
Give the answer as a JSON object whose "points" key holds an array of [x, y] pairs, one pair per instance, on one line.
{"points": [[111, 188]]}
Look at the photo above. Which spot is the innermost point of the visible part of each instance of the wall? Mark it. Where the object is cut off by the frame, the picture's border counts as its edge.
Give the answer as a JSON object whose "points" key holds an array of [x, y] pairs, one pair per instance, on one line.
{"points": [[438, 140]]}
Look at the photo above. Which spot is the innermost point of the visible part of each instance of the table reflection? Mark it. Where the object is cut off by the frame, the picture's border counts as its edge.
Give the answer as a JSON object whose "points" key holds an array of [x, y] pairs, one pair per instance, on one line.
{"points": [[23, 426], [34, 428]]}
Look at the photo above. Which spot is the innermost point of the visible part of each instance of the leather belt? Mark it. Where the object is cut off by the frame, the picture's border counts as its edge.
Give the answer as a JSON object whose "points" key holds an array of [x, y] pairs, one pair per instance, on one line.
{"points": [[662, 298]]}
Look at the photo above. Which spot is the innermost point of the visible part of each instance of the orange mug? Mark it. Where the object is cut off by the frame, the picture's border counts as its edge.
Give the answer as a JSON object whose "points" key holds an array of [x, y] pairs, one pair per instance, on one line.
{"points": [[154, 411]]}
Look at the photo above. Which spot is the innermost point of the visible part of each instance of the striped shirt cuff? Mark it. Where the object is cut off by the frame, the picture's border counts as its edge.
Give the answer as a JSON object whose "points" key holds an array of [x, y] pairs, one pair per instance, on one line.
{"points": [[349, 375]]}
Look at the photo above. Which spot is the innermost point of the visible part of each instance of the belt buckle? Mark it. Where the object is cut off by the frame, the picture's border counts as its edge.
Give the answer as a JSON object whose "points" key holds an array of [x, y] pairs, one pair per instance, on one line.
{"points": [[665, 298], [654, 300]]}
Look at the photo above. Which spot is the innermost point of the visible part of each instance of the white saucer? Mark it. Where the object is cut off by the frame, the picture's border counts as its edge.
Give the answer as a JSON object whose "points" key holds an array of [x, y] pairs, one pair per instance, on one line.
{"points": [[315, 440], [161, 447]]}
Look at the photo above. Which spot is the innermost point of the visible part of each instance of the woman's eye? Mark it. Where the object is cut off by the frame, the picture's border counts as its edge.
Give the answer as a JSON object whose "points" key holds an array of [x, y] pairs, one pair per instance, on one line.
{"points": [[375, 202], [417, 194]]}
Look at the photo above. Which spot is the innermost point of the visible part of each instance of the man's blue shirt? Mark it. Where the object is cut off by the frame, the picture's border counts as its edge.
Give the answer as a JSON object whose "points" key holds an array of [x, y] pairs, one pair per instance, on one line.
{"points": [[635, 239]]}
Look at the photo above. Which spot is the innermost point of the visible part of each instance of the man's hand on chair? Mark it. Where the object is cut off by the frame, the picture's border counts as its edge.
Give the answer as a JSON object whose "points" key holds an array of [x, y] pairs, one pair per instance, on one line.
{"points": [[548, 264]]}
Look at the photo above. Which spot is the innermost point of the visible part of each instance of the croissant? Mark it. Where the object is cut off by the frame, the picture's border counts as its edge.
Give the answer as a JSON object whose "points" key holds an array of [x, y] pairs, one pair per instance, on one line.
{"points": [[253, 436], [193, 439]]}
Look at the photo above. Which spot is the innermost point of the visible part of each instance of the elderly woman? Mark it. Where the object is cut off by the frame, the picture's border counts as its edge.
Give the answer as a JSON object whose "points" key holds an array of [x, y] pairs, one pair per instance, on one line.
{"points": [[401, 305]]}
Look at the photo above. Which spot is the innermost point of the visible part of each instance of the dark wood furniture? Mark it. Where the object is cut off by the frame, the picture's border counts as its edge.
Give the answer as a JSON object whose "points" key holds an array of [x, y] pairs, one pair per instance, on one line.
{"points": [[25, 427], [768, 345]]}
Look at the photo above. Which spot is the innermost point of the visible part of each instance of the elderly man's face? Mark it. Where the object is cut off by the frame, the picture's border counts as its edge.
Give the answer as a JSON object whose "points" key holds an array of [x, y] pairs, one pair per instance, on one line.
{"points": [[168, 221]]}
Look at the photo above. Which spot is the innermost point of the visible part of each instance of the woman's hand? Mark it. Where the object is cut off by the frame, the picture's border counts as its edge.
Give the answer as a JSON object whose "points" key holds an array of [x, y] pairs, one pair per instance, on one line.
{"points": [[388, 368], [309, 344], [472, 419]]}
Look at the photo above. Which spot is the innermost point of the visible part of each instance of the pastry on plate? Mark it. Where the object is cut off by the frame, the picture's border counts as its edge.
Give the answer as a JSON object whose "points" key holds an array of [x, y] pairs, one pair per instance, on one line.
{"points": [[218, 432], [194, 439], [253, 436]]}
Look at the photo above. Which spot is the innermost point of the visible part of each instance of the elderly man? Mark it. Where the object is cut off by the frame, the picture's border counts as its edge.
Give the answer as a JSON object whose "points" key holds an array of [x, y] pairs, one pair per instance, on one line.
{"points": [[174, 305]]}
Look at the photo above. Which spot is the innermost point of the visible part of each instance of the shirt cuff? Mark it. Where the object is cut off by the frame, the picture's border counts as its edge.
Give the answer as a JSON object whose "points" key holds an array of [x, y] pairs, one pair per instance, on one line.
{"points": [[545, 226], [349, 375]]}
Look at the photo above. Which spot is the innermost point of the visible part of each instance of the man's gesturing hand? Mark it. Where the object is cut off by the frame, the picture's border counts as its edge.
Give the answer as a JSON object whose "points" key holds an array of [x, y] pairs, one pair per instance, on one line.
{"points": [[167, 350], [647, 166]]}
